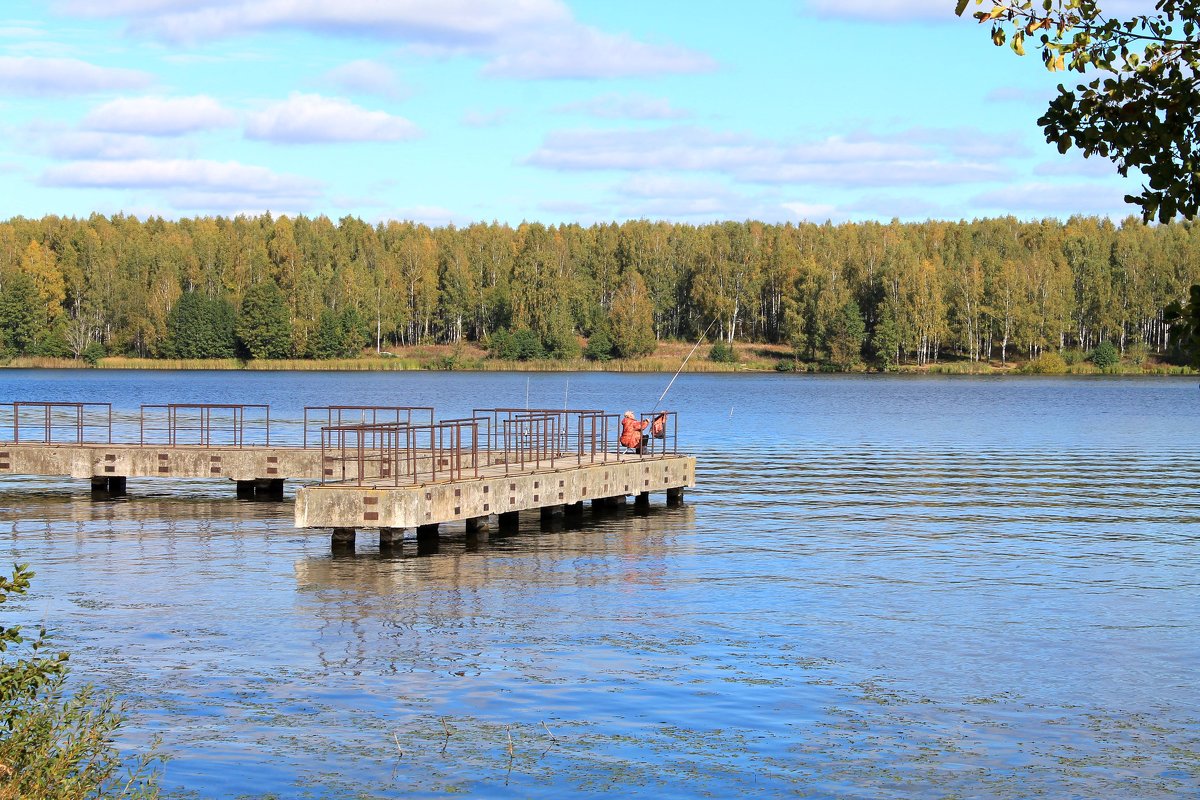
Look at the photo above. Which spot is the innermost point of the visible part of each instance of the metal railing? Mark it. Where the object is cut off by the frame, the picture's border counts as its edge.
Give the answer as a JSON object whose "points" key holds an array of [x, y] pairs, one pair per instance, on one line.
{"points": [[661, 439], [36, 422], [318, 417], [397, 454], [205, 425], [495, 441], [568, 422]]}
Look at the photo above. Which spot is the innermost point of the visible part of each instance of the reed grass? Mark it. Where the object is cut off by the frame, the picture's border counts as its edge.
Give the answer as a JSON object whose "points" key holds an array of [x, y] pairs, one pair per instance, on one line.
{"points": [[667, 359]]}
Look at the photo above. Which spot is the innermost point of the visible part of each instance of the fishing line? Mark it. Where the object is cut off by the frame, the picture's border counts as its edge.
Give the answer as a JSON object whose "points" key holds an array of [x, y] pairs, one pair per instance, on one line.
{"points": [[684, 364]]}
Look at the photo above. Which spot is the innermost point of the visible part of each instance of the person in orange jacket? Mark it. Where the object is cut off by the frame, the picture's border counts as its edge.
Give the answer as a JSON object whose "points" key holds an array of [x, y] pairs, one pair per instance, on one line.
{"points": [[658, 428], [631, 431]]}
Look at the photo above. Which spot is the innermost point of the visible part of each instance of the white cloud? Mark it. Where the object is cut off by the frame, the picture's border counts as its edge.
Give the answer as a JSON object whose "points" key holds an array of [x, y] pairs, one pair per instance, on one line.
{"points": [[159, 116], [189, 175], [232, 203], [936, 10], [1073, 163], [1056, 199], [89, 145], [475, 118], [877, 206], [433, 21], [433, 216], [310, 118], [625, 106], [1016, 94], [518, 38], [970, 142], [812, 212], [861, 160], [663, 186], [673, 148], [16, 30], [365, 77], [584, 53], [893, 172], [64, 76]]}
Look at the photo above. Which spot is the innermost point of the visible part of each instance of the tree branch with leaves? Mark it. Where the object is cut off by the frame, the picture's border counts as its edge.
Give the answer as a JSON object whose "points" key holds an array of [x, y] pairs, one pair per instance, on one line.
{"points": [[1140, 109]]}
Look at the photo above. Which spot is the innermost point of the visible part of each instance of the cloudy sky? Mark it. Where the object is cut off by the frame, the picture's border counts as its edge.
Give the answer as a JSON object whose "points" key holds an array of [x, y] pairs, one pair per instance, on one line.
{"points": [[462, 110]]}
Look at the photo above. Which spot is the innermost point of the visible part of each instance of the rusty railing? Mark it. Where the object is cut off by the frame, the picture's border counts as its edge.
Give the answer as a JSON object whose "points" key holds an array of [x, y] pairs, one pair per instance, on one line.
{"points": [[36, 422], [205, 425], [318, 417], [397, 454], [661, 440]]}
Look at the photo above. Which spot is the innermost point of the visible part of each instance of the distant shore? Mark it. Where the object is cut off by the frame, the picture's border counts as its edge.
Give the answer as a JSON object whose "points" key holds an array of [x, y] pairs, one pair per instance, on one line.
{"points": [[667, 358]]}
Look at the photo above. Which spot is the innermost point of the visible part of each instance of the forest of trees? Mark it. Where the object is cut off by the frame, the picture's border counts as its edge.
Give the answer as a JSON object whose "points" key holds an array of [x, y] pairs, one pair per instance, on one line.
{"points": [[882, 294]]}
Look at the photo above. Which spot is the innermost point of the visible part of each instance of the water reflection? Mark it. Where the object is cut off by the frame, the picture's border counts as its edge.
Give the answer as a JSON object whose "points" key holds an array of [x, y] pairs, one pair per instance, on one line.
{"points": [[879, 589]]}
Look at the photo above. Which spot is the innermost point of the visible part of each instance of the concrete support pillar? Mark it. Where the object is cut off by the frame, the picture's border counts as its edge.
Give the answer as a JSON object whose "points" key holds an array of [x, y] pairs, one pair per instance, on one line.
{"points": [[509, 521], [427, 532], [268, 488], [675, 497], [260, 489], [573, 510], [609, 504], [342, 538], [391, 537], [642, 503], [109, 486], [552, 516], [477, 524]]}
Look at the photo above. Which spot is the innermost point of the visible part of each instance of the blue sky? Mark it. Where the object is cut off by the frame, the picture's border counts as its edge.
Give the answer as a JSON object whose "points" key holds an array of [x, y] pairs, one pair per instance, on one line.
{"points": [[456, 111]]}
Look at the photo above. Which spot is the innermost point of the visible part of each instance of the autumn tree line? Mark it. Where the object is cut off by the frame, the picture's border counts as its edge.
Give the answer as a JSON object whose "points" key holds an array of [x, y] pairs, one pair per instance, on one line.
{"points": [[840, 295]]}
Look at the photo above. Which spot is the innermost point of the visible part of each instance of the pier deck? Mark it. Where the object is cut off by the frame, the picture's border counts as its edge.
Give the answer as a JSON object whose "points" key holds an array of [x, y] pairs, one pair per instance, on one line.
{"points": [[494, 490], [373, 467]]}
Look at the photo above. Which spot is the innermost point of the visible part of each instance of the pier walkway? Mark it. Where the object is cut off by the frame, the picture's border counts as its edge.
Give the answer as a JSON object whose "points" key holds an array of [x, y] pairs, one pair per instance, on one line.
{"points": [[389, 468]]}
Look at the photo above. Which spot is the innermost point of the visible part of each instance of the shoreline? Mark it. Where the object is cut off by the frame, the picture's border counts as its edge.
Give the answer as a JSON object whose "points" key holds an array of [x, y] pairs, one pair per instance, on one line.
{"points": [[647, 365]]}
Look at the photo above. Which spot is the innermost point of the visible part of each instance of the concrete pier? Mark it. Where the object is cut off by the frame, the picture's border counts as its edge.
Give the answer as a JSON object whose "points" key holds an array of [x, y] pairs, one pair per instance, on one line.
{"points": [[390, 475], [259, 472], [551, 492]]}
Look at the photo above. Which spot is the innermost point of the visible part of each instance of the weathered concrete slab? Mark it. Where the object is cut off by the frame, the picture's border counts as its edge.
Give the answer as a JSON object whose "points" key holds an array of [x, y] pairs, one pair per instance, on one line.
{"points": [[347, 506], [160, 461]]}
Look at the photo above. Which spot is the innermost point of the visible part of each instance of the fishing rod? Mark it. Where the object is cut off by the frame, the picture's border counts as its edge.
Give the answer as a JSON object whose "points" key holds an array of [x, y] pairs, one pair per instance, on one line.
{"points": [[684, 364]]}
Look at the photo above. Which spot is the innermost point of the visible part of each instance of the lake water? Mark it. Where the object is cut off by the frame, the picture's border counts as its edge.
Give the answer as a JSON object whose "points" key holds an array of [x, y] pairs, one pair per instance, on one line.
{"points": [[882, 587]]}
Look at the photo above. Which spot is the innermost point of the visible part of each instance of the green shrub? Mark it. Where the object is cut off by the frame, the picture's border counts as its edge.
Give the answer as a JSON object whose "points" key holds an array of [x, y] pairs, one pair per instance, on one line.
{"points": [[1048, 363], [58, 744], [786, 365], [52, 345], [599, 346], [722, 353], [94, 352], [1105, 355], [519, 345]]}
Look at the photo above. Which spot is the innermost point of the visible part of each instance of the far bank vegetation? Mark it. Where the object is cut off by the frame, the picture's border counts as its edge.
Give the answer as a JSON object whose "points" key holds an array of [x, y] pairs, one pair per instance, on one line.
{"points": [[1079, 296]]}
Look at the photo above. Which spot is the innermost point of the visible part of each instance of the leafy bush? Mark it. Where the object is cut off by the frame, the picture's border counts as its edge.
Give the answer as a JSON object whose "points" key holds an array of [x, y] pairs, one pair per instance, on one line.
{"points": [[722, 353], [519, 345], [94, 352], [599, 346], [1105, 355], [1048, 363], [786, 365], [52, 345], [57, 745]]}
